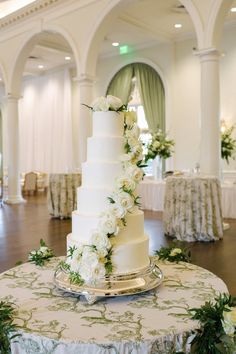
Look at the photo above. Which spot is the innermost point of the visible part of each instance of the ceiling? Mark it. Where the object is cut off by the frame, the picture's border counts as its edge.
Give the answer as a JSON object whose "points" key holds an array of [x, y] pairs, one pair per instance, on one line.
{"points": [[142, 24]]}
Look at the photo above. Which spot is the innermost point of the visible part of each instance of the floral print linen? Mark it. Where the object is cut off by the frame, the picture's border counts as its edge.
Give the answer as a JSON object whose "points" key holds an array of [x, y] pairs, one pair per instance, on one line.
{"points": [[55, 322]]}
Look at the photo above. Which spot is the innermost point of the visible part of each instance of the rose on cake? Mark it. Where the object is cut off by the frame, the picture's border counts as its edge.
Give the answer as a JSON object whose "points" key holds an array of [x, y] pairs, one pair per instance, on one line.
{"points": [[108, 103]]}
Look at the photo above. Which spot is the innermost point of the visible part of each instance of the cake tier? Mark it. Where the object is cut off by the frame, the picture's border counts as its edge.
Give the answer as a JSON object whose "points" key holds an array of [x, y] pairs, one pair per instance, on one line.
{"points": [[83, 224], [108, 123], [127, 257], [131, 256], [93, 200], [100, 174], [105, 148]]}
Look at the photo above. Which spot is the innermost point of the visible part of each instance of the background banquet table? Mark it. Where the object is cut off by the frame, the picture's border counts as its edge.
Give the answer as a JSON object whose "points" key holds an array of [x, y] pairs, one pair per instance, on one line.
{"points": [[157, 321], [62, 194], [152, 194], [192, 208]]}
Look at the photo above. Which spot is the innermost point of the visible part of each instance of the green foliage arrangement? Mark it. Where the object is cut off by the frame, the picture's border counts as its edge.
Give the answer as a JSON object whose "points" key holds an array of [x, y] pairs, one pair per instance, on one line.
{"points": [[228, 144], [41, 255], [174, 253], [7, 328], [217, 332], [159, 146]]}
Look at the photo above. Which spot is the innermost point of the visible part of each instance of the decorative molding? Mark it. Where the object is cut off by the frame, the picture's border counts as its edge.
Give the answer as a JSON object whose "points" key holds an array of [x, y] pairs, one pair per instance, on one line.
{"points": [[207, 54], [39, 6], [84, 79], [26, 11]]}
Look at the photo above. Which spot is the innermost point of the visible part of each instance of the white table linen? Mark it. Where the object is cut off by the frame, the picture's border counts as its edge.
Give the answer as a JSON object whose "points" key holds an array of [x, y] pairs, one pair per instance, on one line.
{"points": [[51, 321], [152, 193]]}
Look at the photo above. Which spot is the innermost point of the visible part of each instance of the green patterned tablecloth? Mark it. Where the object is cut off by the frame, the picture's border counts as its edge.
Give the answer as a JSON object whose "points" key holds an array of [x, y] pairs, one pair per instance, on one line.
{"points": [[192, 208], [62, 194], [54, 322]]}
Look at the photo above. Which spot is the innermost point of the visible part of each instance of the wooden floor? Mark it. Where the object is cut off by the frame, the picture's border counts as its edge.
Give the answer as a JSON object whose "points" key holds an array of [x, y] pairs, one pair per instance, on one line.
{"points": [[22, 226]]}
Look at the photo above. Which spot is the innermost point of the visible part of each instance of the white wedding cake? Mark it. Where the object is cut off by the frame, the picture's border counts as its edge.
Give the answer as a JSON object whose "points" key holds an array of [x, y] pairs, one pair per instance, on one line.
{"points": [[107, 227]]}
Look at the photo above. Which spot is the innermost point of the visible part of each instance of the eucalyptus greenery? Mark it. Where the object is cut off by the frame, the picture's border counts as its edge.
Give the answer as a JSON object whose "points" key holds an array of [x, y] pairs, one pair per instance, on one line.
{"points": [[228, 144], [41, 255], [7, 327], [174, 253], [213, 337]]}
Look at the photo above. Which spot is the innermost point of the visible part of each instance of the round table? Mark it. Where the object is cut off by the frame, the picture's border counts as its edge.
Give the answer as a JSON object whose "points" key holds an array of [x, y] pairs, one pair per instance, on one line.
{"points": [[157, 321]]}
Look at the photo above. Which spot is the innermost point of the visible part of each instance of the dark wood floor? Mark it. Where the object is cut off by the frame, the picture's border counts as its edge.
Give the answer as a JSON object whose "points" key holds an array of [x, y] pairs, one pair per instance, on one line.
{"points": [[22, 226]]}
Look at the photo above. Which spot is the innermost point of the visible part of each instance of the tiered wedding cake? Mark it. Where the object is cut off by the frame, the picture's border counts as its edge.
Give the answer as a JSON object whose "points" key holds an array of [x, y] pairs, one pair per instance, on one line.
{"points": [[108, 228]]}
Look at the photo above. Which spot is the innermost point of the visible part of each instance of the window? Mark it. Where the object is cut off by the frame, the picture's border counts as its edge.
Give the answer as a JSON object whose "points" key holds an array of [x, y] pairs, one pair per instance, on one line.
{"points": [[135, 105]]}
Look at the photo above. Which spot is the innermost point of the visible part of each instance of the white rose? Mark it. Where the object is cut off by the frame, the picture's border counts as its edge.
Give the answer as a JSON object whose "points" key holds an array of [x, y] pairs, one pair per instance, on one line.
{"points": [[137, 149], [92, 271], [130, 118], [108, 225], [90, 257], [156, 144], [126, 182], [132, 141], [135, 173], [175, 251], [100, 104], [114, 102], [100, 240], [125, 200], [43, 249], [118, 211]]}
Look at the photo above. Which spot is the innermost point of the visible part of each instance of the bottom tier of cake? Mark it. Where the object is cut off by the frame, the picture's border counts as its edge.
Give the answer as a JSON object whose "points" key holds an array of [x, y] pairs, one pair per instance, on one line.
{"points": [[131, 256]]}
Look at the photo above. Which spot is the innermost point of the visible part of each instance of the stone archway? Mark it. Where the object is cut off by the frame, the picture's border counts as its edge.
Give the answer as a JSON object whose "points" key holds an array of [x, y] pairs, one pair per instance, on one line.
{"points": [[105, 20], [215, 23]]}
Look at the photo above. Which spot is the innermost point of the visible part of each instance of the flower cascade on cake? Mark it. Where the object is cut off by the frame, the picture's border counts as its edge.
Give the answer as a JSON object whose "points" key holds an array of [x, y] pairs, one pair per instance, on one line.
{"points": [[89, 262]]}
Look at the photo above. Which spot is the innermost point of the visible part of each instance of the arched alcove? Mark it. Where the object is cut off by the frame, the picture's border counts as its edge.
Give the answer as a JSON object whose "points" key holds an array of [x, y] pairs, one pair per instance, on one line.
{"points": [[151, 90], [44, 88]]}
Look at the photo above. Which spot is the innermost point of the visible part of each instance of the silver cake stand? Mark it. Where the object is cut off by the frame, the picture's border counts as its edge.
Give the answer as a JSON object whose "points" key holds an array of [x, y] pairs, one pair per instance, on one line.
{"points": [[115, 285]]}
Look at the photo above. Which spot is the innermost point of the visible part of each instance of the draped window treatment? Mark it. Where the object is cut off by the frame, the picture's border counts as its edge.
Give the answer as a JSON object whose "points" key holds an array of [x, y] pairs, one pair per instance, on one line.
{"points": [[152, 95], [45, 124], [151, 91], [121, 84]]}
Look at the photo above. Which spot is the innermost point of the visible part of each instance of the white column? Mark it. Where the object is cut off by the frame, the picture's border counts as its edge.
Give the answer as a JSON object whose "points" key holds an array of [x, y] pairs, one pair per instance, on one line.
{"points": [[210, 112], [14, 187], [85, 83]]}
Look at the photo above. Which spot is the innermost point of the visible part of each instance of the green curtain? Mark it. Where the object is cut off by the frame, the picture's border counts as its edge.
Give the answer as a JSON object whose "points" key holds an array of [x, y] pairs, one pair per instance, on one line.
{"points": [[152, 95], [121, 84]]}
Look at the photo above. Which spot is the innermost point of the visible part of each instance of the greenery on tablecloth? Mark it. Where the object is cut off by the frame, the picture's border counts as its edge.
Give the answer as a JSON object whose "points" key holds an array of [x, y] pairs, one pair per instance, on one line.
{"points": [[41, 255], [228, 144], [217, 333], [174, 253], [7, 328]]}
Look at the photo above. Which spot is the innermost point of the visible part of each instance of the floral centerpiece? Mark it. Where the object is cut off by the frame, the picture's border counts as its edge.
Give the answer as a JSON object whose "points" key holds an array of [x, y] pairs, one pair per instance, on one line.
{"points": [[228, 144], [174, 253], [89, 263], [159, 145]]}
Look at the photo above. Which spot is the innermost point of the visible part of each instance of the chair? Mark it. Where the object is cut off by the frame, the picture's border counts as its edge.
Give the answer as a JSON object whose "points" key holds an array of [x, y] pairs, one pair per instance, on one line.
{"points": [[30, 183]]}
